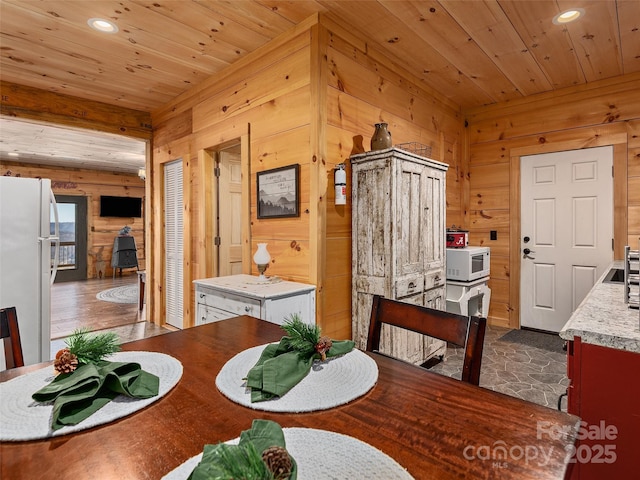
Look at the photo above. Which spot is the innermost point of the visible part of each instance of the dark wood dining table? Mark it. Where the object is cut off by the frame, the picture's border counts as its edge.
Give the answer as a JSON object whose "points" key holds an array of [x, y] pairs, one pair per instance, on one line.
{"points": [[434, 426]]}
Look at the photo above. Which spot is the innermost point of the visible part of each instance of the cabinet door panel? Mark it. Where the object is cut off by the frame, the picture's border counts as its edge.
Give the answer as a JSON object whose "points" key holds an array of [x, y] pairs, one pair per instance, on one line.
{"points": [[409, 222], [371, 219]]}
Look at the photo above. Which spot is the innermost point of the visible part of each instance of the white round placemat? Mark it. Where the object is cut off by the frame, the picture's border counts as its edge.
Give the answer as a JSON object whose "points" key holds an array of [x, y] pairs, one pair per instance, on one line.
{"points": [[22, 418], [334, 382], [324, 455]]}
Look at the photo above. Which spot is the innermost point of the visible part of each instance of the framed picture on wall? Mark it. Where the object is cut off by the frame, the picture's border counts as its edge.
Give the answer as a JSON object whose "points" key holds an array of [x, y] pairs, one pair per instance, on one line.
{"points": [[278, 192]]}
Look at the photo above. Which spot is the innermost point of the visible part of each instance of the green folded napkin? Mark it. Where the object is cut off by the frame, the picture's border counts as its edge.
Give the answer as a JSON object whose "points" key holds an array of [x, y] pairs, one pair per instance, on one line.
{"points": [[244, 460], [79, 394], [281, 367]]}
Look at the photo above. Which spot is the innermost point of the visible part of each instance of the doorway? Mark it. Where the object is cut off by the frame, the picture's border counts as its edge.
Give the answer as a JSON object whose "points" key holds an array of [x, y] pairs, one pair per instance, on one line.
{"points": [[72, 218], [226, 213], [228, 190], [566, 232]]}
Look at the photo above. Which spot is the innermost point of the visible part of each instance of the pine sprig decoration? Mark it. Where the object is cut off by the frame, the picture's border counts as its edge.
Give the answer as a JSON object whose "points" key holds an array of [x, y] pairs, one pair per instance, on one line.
{"points": [[92, 348], [302, 336]]}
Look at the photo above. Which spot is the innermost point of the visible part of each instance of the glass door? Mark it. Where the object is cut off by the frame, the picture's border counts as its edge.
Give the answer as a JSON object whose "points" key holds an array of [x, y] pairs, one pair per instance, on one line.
{"points": [[72, 219]]}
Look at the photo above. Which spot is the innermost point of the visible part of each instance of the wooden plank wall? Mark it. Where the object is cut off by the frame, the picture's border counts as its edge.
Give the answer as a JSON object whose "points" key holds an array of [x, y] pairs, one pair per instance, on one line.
{"points": [[596, 114], [310, 97], [91, 184]]}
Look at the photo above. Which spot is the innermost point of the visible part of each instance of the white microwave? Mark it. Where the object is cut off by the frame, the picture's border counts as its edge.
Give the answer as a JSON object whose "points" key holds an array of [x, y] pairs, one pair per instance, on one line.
{"points": [[468, 264]]}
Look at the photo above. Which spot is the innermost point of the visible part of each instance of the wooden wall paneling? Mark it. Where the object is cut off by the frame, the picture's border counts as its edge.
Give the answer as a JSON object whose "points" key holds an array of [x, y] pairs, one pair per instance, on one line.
{"points": [[289, 74], [34, 104], [634, 190], [489, 197], [499, 247], [282, 149], [173, 128], [372, 87], [573, 139], [352, 114]]}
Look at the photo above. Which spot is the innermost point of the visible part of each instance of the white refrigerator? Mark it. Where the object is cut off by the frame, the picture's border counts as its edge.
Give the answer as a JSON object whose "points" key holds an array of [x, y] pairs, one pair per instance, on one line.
{"points": [[28, 261]]}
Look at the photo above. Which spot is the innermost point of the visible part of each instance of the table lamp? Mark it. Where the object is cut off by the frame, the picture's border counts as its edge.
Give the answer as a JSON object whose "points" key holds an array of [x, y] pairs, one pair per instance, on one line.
{"points": [[262, 259]]}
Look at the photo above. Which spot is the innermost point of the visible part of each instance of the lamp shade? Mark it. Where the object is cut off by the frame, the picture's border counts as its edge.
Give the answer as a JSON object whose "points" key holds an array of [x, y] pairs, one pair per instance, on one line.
{"points": [[262, 257]]}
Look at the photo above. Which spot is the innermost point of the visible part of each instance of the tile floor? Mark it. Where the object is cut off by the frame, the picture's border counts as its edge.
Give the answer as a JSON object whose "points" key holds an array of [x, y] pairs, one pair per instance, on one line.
{"points": [[534, 374]]}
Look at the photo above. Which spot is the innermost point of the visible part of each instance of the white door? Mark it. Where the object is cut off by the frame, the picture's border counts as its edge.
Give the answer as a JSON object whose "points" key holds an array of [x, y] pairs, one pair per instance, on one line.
{"points": [[230, 211], [567, 232], [174, 241]]}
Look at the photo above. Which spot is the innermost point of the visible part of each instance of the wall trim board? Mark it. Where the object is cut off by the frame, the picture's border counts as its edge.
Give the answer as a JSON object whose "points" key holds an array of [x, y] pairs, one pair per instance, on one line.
{"points": [[318, 193]]}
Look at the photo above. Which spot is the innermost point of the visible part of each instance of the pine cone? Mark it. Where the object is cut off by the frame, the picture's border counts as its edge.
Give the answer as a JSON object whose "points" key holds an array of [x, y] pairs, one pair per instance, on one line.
{"points": [[66, 362], [323, 346], [278, 462]]}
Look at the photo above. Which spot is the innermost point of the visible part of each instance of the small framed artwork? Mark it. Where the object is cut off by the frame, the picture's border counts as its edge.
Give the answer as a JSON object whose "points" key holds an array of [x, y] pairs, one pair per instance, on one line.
{"points": [[278, 192]]}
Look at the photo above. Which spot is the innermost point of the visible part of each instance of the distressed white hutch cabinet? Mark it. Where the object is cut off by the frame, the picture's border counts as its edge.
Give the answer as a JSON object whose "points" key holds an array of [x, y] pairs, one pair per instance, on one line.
{"points": [[398, 243], [225, 297]]}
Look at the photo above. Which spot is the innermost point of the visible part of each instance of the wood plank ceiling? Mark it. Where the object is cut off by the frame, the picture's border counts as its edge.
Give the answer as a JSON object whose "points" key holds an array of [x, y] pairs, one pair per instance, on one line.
{"points": [[475, 52]]}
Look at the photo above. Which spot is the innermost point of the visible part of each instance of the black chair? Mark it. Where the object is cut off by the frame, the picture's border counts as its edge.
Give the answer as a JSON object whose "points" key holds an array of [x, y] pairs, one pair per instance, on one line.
{"points": [[465, 332], [10, 333]]}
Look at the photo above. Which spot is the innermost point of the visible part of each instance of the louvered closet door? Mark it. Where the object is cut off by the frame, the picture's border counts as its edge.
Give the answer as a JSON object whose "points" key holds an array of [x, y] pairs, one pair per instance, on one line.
{"points": [[173, 236]]}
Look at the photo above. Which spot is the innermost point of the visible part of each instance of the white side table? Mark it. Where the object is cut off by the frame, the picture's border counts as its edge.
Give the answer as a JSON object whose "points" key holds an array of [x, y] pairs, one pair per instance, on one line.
{"points": [[275, 300]]}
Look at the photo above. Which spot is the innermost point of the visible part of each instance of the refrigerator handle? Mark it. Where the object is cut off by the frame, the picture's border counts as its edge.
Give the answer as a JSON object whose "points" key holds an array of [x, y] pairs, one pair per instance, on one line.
{"points": [[55, 238]]}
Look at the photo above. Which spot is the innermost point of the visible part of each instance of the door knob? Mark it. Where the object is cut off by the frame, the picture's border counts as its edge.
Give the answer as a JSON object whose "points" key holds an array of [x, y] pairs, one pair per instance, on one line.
{"points": [[526, 253]]}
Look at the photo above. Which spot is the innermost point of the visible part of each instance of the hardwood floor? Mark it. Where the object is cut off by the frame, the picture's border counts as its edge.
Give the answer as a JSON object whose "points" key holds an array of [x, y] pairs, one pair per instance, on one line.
{"points": [[74, 305]]}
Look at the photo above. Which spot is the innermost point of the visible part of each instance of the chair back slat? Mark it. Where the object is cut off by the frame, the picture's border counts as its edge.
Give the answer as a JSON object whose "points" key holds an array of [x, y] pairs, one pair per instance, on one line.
{"points": [[465, 332], [10, 334]]}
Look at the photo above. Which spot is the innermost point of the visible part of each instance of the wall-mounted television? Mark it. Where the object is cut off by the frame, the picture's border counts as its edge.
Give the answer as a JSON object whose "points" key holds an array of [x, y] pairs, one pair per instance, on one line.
{"points": [[120, 206]]}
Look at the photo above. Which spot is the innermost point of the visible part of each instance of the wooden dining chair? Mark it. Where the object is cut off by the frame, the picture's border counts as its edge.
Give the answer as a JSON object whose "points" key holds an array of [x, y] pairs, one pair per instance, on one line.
{"points": [[459, 330], [10, 333]]}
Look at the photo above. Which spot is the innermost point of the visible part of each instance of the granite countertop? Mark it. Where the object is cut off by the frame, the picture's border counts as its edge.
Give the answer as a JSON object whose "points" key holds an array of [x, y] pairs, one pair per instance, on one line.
{"points": [[604, 319]]}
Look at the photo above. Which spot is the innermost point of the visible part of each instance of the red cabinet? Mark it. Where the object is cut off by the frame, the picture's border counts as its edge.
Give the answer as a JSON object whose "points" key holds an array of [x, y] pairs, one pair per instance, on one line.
{"points": [[604, 391]]}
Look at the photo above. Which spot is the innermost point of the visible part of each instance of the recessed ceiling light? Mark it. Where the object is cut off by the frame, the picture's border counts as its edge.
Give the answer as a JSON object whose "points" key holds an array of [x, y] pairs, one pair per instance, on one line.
{"points": [[568, 16], [13, 154], [102, 25]]}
